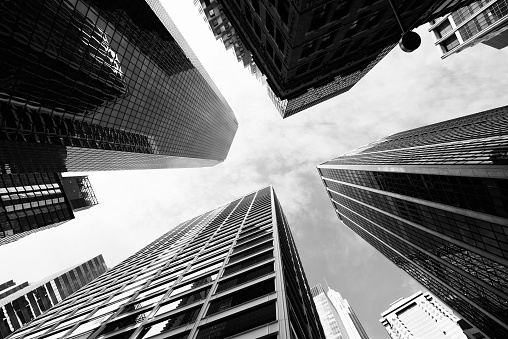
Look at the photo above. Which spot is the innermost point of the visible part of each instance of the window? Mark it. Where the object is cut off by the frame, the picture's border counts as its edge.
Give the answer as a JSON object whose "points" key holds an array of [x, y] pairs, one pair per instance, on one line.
{"points": [[202, 271], [194, 284], [170, 323], [242, 296], [238, 323], [184, 301]]}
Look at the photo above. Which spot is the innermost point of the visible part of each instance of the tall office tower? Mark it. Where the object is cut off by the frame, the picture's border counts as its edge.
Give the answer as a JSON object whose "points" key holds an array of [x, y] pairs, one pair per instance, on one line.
{"points": [[311, 51], [337, 317], [424, 317], [233, 271], [34, 202], [19, 306], [434, 200], [88, 85], [483, 21]]}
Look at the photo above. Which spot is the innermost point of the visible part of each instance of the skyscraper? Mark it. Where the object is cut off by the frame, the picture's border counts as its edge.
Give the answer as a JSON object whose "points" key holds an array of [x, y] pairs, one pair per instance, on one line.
{"points": [[337, 317], [424, 317], [484, 21], [92, 85], [34, 202], [311, 51], [232, 270], [21, 304], [434, 200]]}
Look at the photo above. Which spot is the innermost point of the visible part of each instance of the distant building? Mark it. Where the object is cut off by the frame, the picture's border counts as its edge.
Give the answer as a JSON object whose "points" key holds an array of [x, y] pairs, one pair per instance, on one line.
{"points": [[231, 272], [483, 21], [21, 304], [422, 316], [310, 51], [337, 317], [104, 85], [34, 202], [434, 200]]}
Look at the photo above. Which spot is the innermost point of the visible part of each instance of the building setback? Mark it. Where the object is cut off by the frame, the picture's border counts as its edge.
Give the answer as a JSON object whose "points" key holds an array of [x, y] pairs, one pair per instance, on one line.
{"points": [[482, 21], [337, 317], [104, 85], [34, 202], [311, 51], [234, 270], [434, 200], [422, 316], [19, 306]]}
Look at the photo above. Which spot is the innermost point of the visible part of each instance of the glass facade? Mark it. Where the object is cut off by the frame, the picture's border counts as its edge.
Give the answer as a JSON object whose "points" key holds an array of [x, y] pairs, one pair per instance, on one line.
{"points": [[310, 51], [27, 303], [480, 21], [443, 222], [88, 85], [33, 202], [336, 316], [231, 270]]}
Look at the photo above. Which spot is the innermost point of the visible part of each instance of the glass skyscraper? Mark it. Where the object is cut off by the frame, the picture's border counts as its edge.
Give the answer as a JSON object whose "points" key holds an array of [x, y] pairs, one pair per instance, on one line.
{"points": [[434, 200], [483, 21], [91, 85], [310, 51], [21, 304], [34, 202], [233, 270], [337, 317]]}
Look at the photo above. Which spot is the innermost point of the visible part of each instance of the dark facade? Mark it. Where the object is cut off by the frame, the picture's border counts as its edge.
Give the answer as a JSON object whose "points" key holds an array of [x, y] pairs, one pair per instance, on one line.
{"points": [[233, 270], [311, 51], [37, 201], [434, 200], [22, 305], [104, 85]]}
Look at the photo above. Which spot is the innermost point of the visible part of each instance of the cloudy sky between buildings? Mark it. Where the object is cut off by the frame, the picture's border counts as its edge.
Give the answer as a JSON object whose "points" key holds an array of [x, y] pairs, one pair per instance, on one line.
{"points": [[403, 91]]}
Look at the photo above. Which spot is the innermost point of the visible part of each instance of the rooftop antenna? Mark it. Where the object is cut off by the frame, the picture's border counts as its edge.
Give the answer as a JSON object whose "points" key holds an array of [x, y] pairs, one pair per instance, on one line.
{"points": [[327, 284]]}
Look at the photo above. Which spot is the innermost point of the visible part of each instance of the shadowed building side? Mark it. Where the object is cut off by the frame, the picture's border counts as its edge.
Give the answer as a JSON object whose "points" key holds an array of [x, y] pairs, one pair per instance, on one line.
{"points": [[434, 200], [28, 301], [311, 51], [34, 202], [116, 87]]}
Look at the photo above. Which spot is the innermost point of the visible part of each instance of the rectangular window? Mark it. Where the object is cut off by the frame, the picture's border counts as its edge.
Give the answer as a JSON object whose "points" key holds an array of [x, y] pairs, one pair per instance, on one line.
{"points": [[238, 323]]}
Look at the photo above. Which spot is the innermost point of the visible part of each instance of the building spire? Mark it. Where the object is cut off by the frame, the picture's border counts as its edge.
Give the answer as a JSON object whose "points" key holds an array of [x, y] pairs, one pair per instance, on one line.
{"points": [[327, 284]]}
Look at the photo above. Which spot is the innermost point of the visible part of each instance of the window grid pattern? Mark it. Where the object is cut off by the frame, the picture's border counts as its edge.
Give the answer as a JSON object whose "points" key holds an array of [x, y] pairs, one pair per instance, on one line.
{"points": [[116, 87], [31, 201], [450, 297], [489, 271], [490, 302], [146, 295], [478, 233], [486, 195]]}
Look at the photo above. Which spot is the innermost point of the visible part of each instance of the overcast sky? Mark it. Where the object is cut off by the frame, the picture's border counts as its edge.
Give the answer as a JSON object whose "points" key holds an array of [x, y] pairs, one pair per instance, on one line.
{"points": [[403, 91]]}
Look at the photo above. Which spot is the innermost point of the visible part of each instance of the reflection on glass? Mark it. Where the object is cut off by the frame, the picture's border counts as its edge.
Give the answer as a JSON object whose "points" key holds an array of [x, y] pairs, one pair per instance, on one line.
{"points": [[123, 295], [174, 321], [163, 287], [126, 321], [183, 301], [194, 284], [202, 271], [71, 321], [201, 263], [107, 309], [136, 306], [89, 325]]}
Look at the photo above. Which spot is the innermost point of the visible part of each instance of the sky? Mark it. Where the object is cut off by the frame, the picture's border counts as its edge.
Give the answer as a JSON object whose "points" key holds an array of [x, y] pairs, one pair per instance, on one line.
{"points": [[403, 91]]}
